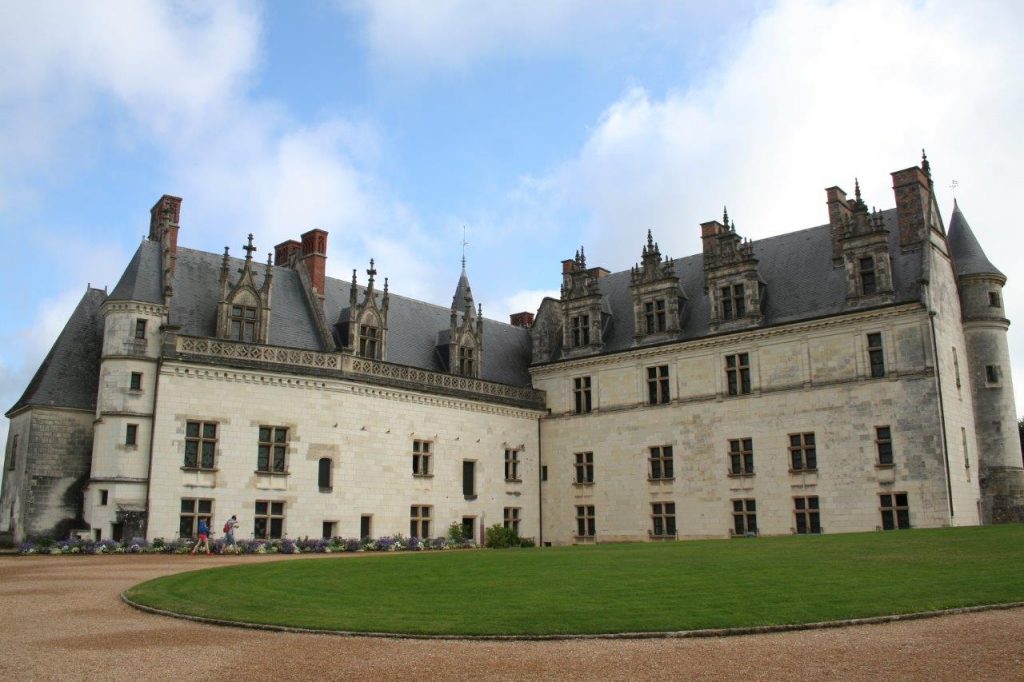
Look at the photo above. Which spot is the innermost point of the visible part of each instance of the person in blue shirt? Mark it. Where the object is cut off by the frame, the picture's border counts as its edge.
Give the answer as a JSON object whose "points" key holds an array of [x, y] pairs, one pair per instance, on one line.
{"points": [[204, 537]]}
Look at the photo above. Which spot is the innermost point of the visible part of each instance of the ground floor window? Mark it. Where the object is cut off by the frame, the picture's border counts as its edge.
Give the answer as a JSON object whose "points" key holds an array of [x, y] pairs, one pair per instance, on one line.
{"points": [[807, 514], [329, 529], [419, 521], [663, 518], [895, 511], [586, 526], [365, 526], [269, 520], [192, 510], [744, 517], [512, 518]]}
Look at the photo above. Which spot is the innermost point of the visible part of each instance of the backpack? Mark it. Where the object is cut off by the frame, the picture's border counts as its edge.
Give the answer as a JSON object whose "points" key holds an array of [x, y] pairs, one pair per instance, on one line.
{"points": [[227, 526]]}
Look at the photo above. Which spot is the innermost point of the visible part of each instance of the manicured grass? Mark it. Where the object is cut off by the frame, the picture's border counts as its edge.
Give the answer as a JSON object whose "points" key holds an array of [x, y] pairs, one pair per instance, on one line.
{"points": [[614, 588]]}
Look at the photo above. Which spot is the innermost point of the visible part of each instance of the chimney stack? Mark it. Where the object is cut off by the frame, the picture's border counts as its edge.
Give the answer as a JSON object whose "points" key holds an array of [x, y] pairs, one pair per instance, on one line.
{"points": [[912, 187], [314, 255], [163, 220], [708, 232], [524, 320], [839, 213], [284, 252]]}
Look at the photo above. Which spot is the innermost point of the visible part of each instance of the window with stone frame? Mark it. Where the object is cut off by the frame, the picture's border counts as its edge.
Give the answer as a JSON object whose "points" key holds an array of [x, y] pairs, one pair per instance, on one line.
{"points": [[512, 515], [200, 444], [419, 521], [895, 510], [136, 382], [876, 355], [586, 521], [369, 337], [421, 458], [660, 461], [324, 470], [741, 456], [992, 375], [140, 328], [658, 385], [803, 455], [131, 435], [512, 465], [192, 510], [271, 455], [581, 395], [268, 521], [663, 519], [737, 374], [744, 517], [883, 443], [580, 328], [967, 457], [242, 323], [994, 300], [104, 497], [584, 468], [956, 368], [655, 316], [12, 463], [466, 361], [807, 515], [733, 304], [868, 283]]}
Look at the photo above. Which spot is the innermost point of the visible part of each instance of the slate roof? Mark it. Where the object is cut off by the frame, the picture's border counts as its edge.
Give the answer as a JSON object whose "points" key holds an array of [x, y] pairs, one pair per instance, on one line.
{"points": [[968, 256], [69, 375], [141, 279]]}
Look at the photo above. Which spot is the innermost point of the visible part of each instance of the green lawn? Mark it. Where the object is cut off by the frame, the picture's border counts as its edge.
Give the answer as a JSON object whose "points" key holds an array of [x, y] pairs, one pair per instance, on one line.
{"points": [[614, 588]]}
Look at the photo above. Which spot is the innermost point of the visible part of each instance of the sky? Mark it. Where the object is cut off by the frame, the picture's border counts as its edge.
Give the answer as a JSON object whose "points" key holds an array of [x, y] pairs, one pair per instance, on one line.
{"points": [[537, 126]]}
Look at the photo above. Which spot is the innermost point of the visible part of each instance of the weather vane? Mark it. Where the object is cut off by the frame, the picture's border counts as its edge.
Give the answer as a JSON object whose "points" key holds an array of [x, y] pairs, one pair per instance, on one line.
{"points": [[953, 185], [464, 245]]}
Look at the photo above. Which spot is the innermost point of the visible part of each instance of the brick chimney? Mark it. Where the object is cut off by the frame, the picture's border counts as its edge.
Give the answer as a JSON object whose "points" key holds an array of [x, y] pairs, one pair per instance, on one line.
{"points": [[284, 252], [912, 188], [524, 320], [708, 232], [163, 221], [314, 255], [839, 213]]}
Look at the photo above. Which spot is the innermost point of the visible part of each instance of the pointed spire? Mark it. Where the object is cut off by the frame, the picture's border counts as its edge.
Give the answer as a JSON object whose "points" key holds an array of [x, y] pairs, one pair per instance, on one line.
{"points": [[925, 166], [224, 261], [353, 291], [650, 239], [856, 190], [725, 216], [968, 256]]}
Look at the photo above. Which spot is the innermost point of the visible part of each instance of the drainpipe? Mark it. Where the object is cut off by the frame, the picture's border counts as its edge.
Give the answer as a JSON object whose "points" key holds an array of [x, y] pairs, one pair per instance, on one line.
{"points": [[540, 489]]}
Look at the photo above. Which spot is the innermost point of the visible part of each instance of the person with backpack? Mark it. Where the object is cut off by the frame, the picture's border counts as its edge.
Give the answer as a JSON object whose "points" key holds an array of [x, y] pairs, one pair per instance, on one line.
{"points": [[204, 537], [229, 534]]}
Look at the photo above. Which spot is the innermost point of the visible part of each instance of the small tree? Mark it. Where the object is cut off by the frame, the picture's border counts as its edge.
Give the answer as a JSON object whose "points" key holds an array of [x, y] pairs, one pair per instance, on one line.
{"points": [[456, 534], [498, 536]]}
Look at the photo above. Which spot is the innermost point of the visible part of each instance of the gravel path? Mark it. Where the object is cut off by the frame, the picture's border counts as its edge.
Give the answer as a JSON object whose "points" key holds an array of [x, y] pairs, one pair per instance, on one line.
{"points": [[62, 618]]}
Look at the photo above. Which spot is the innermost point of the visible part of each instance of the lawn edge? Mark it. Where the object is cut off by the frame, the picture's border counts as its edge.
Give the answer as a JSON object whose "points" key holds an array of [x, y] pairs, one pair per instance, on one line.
{"points": [[672, 634]]}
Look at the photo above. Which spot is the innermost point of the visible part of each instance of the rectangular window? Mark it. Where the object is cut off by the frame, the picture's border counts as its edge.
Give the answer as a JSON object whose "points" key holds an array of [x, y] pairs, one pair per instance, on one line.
{"points": [[104, 496], [883, 441], [131, 435], [993, 299], [875, 355], [192, 510], [992, 374], [895, 511], [272, 449], [802, 454], [323, 477], [468, 525], [580, 330], [733, 302], [368, 341], [419, 521], [12, 463], [956, 368], [243, 323], [544, 473], [512, 464], [584, 468], [654, 316], [581, 394], [365, 526], [586, 525], [657, 385], [140, 328], [268, 522], [421, 458], [807, 515], [663, 519], [867, 275], [512, 519], [967, 459], [737, 373], [468, 478], [136, 381], [741, 456], [465, 361], [744, 517], [200, 444], [661, 463], [328, 529]]}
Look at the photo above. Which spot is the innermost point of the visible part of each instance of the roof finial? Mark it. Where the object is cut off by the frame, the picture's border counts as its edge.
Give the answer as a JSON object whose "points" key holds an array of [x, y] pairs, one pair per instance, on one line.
{"points": [[725, 216], [925, 166], [650, 239], [856, 190], [464, 245], [249, 248]]}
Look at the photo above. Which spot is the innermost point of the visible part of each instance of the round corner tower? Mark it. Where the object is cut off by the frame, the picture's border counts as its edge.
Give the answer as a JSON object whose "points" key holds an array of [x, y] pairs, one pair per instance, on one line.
{"points": [[988, 355]]}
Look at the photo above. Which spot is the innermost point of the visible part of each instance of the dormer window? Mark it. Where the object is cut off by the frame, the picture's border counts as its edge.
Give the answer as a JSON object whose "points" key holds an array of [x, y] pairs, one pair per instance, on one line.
{"points": [[368, 338], [654, 316], [581, 330], [243, 323], [733, 303], [867, 276], [465, 361]]}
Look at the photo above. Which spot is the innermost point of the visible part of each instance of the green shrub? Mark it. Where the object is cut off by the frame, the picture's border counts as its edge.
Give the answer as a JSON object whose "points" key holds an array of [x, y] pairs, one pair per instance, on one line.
{"points": [[457, 534], [498, 536]]}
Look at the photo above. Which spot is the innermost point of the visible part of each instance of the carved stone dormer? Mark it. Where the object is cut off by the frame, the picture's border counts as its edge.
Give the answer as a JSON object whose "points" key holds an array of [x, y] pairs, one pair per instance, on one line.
{"points": [[463, 345], [243, 313], [657, 297], [584, 313], [734, 288], [367, 328], [864, 248]]}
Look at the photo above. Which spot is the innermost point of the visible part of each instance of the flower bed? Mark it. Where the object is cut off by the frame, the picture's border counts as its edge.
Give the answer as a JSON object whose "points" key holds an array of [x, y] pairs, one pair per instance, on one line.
{"points": [[394, 543]]}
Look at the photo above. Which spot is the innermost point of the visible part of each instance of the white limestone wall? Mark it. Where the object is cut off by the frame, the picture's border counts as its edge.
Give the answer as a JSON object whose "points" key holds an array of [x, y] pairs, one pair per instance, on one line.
{"points": [[366, 431], [813, 377]]}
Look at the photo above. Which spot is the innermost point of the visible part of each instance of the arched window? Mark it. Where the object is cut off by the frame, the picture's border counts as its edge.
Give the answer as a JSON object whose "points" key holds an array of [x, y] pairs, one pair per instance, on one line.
{"points": [[325, 473]]}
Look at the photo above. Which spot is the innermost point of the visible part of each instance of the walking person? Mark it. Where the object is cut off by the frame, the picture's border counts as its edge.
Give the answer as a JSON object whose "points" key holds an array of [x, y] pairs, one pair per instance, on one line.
{"points": [[229, 534], [204, 537]]}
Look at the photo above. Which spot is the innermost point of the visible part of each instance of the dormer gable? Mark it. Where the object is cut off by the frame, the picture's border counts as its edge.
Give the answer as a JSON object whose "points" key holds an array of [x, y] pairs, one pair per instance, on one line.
{"points": [[658, 299], [464, 344], [367, 320], [735, 290], [243, 313], [863, 245], [584, 315]]}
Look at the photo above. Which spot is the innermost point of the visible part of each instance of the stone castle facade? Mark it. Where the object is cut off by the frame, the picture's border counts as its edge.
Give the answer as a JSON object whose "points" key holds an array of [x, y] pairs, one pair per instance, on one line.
{"points": [[846, 377]]}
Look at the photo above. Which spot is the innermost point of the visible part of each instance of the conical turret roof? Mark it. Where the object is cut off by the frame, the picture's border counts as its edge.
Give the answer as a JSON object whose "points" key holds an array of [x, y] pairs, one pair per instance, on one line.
{"points": [[463, 293], [967, 253]]}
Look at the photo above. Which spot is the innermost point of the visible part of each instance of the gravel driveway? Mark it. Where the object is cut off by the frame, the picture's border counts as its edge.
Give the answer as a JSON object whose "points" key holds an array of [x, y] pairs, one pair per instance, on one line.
{"points": [[62, 618]]}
